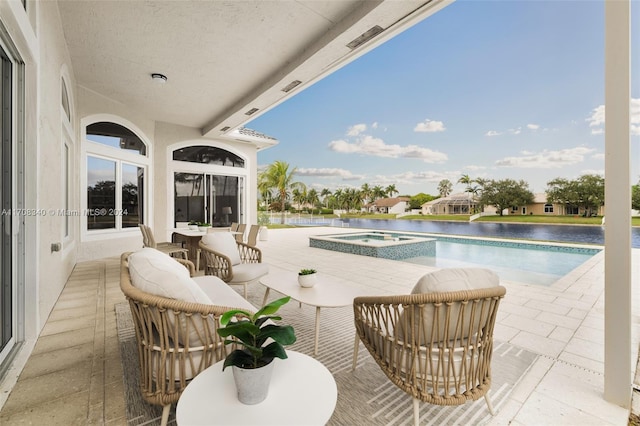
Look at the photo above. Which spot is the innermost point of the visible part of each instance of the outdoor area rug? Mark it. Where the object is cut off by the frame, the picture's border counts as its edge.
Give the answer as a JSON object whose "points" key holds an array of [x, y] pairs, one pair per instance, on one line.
{"points": [[365, 396]]}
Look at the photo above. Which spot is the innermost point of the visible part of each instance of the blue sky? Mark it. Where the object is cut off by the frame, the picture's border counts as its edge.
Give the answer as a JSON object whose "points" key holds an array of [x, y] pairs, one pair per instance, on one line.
{"points": [[492, 89]]}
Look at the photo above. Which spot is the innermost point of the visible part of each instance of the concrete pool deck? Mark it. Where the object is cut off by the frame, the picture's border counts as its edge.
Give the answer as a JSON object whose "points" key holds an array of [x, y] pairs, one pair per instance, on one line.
{"points": [[563, 323], [74, 375]]}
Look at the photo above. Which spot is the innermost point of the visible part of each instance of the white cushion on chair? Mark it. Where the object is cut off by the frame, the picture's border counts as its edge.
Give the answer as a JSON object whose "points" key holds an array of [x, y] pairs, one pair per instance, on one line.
{"points": [[246, 272], [444, 281], [456, 279], [221, 294], [157, 273], [225, 243]]}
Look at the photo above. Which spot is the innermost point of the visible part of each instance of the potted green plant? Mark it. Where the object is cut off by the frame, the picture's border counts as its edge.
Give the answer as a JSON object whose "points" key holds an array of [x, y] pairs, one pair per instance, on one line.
{"points": [[203, 226], [261, 341], [307, 277], [193, 225]]}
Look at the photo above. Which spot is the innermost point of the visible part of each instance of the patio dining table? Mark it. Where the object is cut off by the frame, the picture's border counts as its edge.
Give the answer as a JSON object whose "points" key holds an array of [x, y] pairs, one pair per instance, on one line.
{"points": [[193, 237]]}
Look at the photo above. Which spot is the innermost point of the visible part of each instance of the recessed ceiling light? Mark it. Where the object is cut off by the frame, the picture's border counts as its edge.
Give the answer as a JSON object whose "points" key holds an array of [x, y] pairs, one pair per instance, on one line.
{"points": [[159, 78], [225, 128], [251, 111]]}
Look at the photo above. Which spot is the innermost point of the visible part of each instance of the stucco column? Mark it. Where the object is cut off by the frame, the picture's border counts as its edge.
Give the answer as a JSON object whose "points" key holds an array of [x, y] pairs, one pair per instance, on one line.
{"points": [[617, 340]]}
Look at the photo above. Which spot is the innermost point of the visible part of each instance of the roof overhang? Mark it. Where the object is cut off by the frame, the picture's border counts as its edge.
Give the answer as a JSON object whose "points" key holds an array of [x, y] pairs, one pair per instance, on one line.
{"points": [[226, 62]]}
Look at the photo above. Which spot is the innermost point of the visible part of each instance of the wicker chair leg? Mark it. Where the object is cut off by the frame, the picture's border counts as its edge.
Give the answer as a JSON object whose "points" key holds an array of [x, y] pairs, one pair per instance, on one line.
{"points": [[489, 405], [416, 411], [245, 290], [165, 415], [356, 345]]}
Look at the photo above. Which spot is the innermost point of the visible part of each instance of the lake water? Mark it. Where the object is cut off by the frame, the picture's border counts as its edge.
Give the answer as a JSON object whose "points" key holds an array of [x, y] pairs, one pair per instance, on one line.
{"points": [[565, 233]]}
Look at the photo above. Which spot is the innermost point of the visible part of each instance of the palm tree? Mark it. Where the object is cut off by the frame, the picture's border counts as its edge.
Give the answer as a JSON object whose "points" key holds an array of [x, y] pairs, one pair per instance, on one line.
{"points": [[466, 180], [326, 195], [336, 199], [280, 178], [390, 190], [366, 191], [378, 192], [312, 198], [444, 187], [299, 196]]}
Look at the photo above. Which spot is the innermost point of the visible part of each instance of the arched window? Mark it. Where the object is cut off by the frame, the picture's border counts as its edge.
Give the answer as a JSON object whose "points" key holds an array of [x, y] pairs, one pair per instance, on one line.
{"points": [[208, 155], [116, 165], [548, 208], [116, 136], [209, 184]]}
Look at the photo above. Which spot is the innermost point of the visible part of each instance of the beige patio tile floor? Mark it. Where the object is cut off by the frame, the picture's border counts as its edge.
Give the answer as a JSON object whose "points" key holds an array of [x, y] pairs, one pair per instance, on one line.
{"points": [[74, 374]]}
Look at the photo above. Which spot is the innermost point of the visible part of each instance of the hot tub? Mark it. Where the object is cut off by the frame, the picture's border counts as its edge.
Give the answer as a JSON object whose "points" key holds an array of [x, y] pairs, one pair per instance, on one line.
{"points": [[376, 244]]}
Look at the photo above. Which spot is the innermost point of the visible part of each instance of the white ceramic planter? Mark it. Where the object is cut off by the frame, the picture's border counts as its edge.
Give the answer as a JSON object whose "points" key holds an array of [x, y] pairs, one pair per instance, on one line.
{"points": [[203, 228], [252, 383], [264, 233], [307, 280], [193, 227]]}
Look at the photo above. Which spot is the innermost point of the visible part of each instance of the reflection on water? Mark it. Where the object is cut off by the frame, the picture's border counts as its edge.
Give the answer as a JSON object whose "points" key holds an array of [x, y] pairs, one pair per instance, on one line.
{"points": [[566, 233]]}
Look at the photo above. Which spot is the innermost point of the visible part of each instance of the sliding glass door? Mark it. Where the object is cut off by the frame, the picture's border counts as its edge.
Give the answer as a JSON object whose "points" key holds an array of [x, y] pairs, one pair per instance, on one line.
{"points": [[215, 199], [8, 315]]}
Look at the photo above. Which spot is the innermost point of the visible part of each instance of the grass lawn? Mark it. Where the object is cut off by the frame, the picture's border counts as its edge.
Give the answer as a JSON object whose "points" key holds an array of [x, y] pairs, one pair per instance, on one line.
{"points": [[573, 220]]}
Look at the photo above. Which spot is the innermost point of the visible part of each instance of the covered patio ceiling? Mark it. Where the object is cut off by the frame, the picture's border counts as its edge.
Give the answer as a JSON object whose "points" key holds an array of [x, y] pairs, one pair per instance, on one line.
{"points": [[226, 62]]}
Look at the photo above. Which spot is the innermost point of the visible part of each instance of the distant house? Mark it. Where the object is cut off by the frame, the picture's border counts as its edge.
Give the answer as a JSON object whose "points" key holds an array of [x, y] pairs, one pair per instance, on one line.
{"points": [[389, 205], [462, 203], [541, 207]]}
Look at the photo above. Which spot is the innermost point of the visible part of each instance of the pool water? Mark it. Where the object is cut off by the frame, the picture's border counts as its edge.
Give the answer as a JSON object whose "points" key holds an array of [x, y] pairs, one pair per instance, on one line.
{"points": [[520, 263]]}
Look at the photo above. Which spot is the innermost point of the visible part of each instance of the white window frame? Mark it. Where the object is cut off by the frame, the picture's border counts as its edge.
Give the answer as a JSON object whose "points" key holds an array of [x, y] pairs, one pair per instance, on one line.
{"points": [[175, 166], [120, 157], [68, 230]]}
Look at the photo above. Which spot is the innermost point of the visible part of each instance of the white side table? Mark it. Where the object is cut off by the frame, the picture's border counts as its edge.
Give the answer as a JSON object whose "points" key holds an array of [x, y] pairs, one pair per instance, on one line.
{"points": [[302, 392], [327, 293]]}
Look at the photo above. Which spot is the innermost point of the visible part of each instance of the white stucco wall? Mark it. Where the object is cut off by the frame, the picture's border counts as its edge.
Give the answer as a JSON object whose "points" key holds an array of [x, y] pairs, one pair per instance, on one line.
{"points": [[53, 267]]}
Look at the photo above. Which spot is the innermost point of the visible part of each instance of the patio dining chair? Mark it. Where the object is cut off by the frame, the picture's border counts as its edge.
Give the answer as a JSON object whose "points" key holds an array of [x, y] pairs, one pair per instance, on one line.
{"points": [[252, 236], [172, 249], [435, 343], [234, 262], [240, 229]]}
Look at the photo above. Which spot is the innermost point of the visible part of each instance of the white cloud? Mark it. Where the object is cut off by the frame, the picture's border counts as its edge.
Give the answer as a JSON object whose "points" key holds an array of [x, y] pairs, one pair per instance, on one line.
{"points": [[599, 156], [513, 131], [592, 172], [596, 119], [374, 125], [356, 129], [429, 126], [329, 172], [369, 145], [475, 168], [547, 159], [409, 178]]}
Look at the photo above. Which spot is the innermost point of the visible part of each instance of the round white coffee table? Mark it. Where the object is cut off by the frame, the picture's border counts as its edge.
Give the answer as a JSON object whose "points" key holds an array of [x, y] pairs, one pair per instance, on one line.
{"points": [[302, 392]]}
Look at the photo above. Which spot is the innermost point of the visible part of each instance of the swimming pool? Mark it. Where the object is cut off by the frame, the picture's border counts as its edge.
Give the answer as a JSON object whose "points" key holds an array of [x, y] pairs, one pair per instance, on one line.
{"points": [[377, 244], [525, 262]]}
